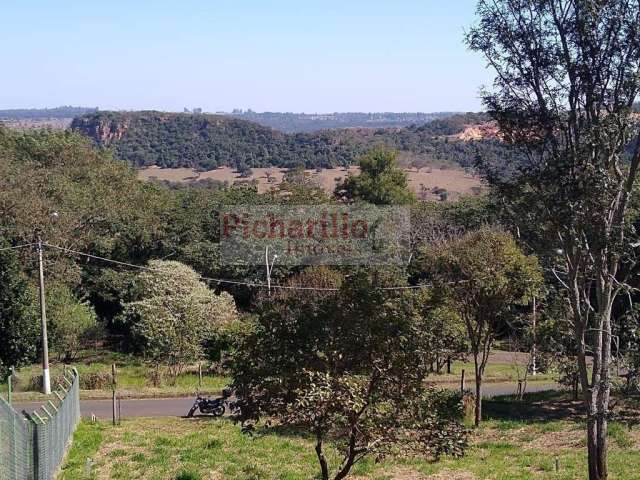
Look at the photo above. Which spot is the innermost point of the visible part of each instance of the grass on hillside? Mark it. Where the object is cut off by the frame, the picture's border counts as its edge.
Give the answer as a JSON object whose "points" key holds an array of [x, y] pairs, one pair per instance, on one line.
{"points": [[133, 374]]}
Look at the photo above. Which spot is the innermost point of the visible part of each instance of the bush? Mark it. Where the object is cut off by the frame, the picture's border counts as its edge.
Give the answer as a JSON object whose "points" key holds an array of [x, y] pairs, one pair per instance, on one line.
{"points": [[174, 314], [154, 378], [95, 381], [71, 321]]}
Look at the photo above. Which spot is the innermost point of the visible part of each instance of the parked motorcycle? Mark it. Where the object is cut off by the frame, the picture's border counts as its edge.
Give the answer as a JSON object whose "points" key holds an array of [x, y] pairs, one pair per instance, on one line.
{"points": [[211, 406]]}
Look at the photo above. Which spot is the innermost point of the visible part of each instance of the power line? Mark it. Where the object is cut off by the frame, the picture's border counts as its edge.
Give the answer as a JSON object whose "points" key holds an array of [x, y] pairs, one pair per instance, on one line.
{"points": [[224, 280], [17, 247], [209, 279]]}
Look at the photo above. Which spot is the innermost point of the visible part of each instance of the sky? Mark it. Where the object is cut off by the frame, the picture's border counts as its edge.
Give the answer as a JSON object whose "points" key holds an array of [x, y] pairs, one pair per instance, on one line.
{"points": [[268, 55]]}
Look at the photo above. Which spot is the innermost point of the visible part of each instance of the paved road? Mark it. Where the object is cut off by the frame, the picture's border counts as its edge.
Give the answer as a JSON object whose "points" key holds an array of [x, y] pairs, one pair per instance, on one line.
{"points": [[175, 407]]}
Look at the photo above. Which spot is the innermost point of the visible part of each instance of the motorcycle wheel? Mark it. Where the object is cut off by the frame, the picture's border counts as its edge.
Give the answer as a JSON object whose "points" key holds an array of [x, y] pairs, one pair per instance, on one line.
{"points": [[192, 411], [219, 411]]}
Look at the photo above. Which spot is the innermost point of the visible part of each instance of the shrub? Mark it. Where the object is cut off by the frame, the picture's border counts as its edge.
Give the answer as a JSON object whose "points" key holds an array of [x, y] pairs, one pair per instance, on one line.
{"points": [[70, 319], [95, 381], [175, 313]]}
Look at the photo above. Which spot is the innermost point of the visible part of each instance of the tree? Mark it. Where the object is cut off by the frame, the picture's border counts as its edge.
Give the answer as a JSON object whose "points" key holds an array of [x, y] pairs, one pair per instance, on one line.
{"points": [[484, 274], [380, 181], [18, 321], [70, 321], [346, 365], [175, 314], [245, 170], [567, 79]]}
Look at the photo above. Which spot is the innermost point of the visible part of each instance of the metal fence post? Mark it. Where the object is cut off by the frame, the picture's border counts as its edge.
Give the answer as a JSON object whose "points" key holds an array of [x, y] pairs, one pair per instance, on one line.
{"points": [[114, 381]]}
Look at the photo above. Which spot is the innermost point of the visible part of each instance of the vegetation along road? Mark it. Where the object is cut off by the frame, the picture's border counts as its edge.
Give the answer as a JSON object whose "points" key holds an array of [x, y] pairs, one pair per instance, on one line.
{"points": [[176, 407]]}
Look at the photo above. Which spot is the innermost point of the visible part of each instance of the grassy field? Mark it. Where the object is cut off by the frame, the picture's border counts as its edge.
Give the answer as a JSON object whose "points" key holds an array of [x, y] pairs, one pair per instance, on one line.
{"points": [[495, 372], [187, 449], [455, 180], [135, 379]]}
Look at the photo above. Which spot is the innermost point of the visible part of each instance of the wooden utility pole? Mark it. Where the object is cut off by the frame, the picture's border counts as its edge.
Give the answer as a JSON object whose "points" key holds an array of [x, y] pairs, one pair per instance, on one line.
{"points": [[269, 267], [114, 382], [534, 367], [46, 380]]}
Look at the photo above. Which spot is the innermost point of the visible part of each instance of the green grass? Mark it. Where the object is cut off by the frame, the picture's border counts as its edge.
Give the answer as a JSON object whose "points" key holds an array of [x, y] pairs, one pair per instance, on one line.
{"points": [[86, 441], [132, 373], [494, 372], [157, 449], [620, 435]]}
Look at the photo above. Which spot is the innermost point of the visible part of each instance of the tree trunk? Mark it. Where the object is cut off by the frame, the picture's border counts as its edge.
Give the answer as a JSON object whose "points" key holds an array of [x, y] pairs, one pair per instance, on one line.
{"points": [[324, 467], [478, 413], [597, 444], [596, 394], [349, 461]]}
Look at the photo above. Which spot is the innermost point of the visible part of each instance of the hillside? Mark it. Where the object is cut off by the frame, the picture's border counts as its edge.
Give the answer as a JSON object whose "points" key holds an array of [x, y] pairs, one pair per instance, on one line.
{"points": [[205, 142]]}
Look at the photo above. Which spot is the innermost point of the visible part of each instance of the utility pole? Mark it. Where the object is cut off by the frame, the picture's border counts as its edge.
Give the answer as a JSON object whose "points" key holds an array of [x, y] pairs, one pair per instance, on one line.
{"points": [[46, 380], [534, 368], [269, 267], [114, 383]]}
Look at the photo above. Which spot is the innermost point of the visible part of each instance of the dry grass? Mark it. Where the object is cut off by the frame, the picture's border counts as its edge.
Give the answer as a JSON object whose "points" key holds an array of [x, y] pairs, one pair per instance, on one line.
{"points": [[456, 181]]}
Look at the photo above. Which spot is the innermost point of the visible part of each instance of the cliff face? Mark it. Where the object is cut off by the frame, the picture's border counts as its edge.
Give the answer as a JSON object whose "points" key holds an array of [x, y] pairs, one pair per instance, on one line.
{"points": [[484, 131], [103, 130]]}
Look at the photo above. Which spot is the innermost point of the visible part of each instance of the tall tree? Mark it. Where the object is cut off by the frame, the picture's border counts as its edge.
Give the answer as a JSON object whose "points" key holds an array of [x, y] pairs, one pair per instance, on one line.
{"points": [[18, 324], [347, 366], [567, 78], [485, 275]]}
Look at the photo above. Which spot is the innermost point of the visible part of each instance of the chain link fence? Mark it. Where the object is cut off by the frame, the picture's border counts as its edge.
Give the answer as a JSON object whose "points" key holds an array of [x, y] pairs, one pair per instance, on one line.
{"points": [[32, 446]]}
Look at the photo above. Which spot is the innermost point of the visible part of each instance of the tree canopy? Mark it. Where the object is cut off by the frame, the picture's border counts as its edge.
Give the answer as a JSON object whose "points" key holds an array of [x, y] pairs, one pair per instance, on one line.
{"points": [[174, 313], [380, 182]]}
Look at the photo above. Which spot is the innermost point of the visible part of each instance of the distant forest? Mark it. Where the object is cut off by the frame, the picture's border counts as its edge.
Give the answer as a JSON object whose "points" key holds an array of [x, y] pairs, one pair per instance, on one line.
{"points": [[306, 122], [40, 113], [206, 142]]}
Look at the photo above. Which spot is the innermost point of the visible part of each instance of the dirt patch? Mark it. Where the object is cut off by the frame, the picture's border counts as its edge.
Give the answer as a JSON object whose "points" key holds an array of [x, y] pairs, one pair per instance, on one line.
{"points": [[447, 474], [400, 473], [495, 435], [556, 441]]}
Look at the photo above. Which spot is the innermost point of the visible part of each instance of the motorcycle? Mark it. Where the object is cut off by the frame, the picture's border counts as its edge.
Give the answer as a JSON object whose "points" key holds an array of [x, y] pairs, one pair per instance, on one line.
{"points": [[210, 406]]}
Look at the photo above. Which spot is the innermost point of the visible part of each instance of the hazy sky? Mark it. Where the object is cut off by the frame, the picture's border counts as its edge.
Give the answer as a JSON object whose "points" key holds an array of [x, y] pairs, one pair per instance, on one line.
{"points": [[268, 55]]}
